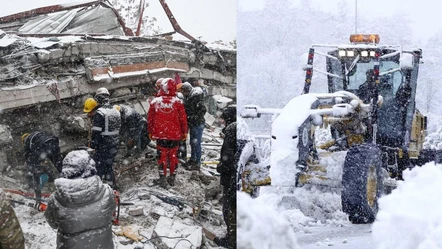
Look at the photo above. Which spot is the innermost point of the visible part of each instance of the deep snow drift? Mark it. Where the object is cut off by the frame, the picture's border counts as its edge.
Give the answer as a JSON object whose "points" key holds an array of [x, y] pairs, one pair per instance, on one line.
{"points": [[261, 227], [410, 217]]}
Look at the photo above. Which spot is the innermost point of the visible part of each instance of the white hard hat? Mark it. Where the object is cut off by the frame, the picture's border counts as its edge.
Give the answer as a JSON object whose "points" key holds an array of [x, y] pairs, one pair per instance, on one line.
{"points": [[102, 90]]}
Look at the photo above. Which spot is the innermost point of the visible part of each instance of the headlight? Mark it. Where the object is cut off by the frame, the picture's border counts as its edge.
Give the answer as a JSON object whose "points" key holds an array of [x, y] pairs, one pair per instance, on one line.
{"points": [[364, 53], [342, 53], [350, 53], [372, 53]]}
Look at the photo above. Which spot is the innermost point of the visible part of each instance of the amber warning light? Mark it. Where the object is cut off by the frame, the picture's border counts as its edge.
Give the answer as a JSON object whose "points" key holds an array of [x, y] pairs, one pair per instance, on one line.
{"points": [[358, 38]]}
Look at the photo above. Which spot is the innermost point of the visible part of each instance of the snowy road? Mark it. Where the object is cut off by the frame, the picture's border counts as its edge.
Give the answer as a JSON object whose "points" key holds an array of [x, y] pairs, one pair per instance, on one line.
{"points": [[352, 236]]}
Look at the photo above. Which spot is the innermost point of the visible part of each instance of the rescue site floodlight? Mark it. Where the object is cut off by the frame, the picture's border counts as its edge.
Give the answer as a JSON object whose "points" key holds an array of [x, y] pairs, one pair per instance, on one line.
{"points": [[372, 53], [364, 53], [350, 53]]}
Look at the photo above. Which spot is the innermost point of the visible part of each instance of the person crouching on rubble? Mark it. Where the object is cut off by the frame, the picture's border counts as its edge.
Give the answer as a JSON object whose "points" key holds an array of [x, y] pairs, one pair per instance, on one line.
{"points": [[105, 137], [81, 207], [227, 169], [38, 147], [11, 234], [168, 125], [133, 130]]}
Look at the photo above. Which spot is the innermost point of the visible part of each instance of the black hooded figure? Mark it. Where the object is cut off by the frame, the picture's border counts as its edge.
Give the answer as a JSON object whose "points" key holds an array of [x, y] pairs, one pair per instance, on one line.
{"points": [[227, 169]]}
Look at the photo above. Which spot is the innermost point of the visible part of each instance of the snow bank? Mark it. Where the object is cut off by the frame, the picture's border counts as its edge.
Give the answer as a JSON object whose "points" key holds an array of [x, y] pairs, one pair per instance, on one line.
{"points": [[261, 227], [410, 217]]}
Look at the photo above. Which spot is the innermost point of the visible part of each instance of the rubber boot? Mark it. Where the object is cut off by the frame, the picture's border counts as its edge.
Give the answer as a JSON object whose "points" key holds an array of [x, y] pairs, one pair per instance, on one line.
{"points": [[171, 180], [162, 181]]}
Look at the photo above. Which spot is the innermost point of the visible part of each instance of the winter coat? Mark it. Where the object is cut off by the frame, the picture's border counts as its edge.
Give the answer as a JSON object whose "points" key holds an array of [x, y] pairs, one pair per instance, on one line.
{"points": [[195, 108], [228, 161], [131, 120], [11, 235], [41, 141], [166, 117], [81, 211], [106, 130]]}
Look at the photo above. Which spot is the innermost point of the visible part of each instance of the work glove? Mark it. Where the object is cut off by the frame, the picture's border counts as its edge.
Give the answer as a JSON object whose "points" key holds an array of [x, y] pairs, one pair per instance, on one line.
{"points": [[151, 138], [184, 137], [130, 143]]}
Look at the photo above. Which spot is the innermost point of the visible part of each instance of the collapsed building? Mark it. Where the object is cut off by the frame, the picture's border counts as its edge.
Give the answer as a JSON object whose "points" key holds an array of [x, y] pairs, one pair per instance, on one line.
{"points": [[53, 58]]}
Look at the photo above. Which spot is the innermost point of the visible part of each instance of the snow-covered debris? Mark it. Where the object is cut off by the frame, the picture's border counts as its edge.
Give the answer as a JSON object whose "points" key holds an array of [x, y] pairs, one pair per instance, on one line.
{"points": [[410, 217], [5, 135], [261, 227]]}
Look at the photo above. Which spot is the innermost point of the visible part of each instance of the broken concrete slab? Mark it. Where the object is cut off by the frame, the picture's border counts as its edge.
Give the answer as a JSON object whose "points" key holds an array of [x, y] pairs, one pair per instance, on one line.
{"points": [[183, 235], [5, 135], [136, 211]]}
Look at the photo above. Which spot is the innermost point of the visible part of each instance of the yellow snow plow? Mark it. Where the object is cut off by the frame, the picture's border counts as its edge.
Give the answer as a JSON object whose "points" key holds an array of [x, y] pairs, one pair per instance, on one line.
{"points": [[360, 135]]}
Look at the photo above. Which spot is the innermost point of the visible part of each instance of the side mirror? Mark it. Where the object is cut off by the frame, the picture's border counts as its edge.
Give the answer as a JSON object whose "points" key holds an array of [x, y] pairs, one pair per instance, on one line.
{"points": [[406, 61], [250, 111]]}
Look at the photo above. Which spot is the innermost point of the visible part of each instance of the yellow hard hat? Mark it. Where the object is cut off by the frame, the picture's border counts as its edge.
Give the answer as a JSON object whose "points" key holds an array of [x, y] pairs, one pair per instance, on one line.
{"points": [[89, 105], [117, 107], [23, 137]]}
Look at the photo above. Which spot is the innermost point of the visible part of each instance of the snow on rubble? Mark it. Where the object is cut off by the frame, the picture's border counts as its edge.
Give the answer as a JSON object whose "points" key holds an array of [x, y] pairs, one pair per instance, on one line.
{"points": [[410, 217], [184, 216]]}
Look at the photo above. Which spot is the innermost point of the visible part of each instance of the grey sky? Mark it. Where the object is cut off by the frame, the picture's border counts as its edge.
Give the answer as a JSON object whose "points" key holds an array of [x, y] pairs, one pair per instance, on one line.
{"points": [[211, 19], [425, 14]]}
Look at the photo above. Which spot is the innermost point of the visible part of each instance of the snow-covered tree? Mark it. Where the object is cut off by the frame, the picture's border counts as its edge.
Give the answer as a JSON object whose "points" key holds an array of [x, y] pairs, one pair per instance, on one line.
{"points": [[130, 10]]}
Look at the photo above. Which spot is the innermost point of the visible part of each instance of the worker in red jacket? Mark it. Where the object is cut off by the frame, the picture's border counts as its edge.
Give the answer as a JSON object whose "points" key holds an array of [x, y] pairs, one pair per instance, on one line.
{"points": [[168, 126]]}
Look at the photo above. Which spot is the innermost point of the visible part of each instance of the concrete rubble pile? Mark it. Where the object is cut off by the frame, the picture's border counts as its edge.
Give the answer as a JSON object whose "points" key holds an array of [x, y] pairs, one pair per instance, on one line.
{"points": [[45, 75]]}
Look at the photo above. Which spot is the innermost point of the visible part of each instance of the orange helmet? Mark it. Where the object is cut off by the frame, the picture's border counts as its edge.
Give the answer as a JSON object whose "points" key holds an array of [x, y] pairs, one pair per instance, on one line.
{"points": [[178, 87]]}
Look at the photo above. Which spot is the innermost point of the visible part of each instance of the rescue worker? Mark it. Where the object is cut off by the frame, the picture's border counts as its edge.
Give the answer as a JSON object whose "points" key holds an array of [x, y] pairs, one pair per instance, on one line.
{"points": [[38, 147], [81, 207], [11, 234], [195, 111], [105, 137], [168, 125], [182, 150], [133, 129], [102, 95], [227, 169]]}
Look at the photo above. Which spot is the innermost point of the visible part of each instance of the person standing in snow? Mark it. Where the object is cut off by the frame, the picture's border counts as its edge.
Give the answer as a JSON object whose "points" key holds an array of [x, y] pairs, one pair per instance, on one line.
{"points": [[38, 147], [105, 137], [11, 234], [182, 150], [195, 111], [133, 129], [81, 207], [227, 169], [168, 125]]}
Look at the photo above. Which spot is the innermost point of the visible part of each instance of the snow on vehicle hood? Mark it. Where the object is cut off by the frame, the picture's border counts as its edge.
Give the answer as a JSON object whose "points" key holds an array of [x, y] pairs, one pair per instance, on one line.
{"points": [[410, 217], [284, 146]]}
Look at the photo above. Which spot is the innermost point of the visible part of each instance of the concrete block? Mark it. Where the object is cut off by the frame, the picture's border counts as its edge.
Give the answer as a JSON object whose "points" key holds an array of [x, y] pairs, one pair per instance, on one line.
{"points": [[136, 211], [175, 228]]}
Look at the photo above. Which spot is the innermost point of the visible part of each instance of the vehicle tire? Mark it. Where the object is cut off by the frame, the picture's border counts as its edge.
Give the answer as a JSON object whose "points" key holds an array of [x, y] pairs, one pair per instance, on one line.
{"points": [[362, 183]]}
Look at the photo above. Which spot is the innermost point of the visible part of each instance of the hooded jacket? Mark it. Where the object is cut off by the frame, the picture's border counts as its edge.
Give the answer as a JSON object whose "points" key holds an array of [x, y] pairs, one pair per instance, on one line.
{"points": [[228, 160], [11, 235], [81, 207], [35, 144], [166, 116], [195, 108]]}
